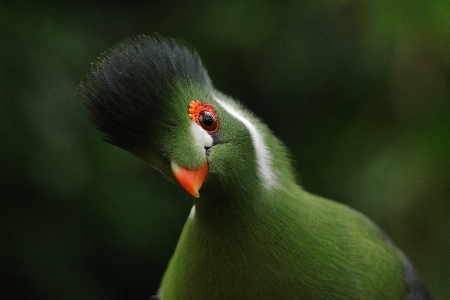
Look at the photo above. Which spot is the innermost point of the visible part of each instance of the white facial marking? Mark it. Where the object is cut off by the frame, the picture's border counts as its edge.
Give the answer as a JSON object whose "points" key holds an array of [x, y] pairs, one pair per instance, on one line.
{"points": [[201, 137], [263, 155]]}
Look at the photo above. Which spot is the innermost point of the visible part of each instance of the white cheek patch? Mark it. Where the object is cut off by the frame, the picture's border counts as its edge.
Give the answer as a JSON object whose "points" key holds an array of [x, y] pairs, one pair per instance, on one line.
{"points": [[263, 156], [201, 138]]}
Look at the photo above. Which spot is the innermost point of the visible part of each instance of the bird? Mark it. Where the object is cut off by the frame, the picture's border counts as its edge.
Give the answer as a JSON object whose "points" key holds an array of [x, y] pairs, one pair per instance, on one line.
{"points": [[253, 231]]}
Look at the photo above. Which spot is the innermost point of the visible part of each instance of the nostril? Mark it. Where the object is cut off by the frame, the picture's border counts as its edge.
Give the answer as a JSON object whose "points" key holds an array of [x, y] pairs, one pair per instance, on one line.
{"points": [[208, 151]]}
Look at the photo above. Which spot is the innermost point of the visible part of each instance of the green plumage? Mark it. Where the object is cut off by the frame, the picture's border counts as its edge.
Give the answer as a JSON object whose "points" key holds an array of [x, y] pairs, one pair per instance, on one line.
{"points": [[297, 248], [253, 233]]}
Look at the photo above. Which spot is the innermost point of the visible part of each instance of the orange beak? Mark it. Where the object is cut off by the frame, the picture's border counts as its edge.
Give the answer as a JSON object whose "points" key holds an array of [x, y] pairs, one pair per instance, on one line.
{"points": [[190, 180]]}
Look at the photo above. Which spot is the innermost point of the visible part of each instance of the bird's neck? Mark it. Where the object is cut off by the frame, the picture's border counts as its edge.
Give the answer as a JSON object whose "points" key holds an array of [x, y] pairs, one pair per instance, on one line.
{"points": [[246, 196], [225, 207], [222, 207]]}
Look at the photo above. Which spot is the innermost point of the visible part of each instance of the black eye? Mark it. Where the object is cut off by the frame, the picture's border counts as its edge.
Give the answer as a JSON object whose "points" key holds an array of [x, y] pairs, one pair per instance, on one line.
{"points": [[207, 120]]}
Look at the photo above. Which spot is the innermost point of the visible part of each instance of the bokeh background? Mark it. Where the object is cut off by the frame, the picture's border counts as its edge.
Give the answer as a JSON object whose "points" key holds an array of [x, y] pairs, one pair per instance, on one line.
{"points": [[358, 90]]}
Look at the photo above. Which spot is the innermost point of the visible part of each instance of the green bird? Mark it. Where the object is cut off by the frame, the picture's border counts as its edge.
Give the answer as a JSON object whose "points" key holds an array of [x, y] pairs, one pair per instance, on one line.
{"points": [[253, 232]]}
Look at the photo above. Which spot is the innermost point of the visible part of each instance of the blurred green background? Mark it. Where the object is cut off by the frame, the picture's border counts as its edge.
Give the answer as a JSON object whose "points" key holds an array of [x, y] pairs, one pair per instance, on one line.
{"points": [[358, 90]]}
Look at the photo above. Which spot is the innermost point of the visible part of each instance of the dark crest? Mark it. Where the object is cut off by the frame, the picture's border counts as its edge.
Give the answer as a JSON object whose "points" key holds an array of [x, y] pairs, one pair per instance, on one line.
{"points": [[130, 85]]}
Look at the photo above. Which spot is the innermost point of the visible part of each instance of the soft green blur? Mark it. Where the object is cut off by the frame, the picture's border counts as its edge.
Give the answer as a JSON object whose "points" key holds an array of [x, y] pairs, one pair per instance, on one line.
{"points": [[358, 90]]}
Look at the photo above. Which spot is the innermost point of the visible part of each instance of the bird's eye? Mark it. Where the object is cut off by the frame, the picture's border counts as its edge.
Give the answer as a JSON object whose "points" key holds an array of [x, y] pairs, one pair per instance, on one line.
{"points": [[207, 120], [204, 115]]}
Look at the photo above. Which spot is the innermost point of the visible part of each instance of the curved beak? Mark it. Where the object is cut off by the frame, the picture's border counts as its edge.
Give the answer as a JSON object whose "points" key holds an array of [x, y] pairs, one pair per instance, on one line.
{"points": [[190, 180]]}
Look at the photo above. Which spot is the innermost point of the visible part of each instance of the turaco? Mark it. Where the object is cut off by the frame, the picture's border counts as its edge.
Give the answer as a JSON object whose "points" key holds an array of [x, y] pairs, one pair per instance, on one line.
{"points": [[253, 232]]}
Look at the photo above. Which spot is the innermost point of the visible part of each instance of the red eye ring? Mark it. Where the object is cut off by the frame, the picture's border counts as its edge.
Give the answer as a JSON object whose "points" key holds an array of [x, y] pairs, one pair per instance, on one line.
{"points": [[204, 115]]}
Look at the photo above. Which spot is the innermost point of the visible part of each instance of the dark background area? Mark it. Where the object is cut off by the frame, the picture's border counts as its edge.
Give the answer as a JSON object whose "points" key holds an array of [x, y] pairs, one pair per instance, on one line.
{"points": [[358, 90]]}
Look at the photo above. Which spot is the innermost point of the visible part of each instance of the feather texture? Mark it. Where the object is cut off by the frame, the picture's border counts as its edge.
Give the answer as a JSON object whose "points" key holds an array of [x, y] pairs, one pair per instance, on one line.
{"points": [[254, 233]]}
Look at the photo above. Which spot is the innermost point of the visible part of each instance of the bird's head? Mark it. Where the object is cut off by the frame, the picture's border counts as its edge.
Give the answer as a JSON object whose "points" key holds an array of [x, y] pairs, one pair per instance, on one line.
{"points": [[153, 97]]}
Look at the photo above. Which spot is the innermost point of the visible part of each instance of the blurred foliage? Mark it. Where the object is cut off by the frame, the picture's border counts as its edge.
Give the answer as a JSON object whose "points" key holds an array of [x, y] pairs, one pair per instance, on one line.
{"points": [[358, 90]]}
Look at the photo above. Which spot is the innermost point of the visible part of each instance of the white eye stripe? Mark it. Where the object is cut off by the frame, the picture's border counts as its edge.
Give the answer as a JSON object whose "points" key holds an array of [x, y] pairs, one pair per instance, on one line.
{"points": [[263, 155]]}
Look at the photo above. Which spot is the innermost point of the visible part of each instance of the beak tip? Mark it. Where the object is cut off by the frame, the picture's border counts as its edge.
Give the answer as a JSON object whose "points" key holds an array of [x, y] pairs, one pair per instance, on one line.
{"points": [[190, 180]]}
